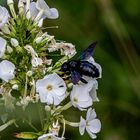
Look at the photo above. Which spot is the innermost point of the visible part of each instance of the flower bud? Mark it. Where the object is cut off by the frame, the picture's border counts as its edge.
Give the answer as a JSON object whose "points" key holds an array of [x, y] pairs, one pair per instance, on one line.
{"points": [[21, 6], [15, 87], [10, 2], [14, 42], [47, 108], [9, 49], [38, 40], [5, 29], [29, 73], [26, 135]]}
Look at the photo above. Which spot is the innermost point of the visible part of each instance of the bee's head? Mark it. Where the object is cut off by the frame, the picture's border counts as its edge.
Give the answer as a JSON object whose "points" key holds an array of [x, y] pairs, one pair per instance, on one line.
{"points": [[65, 67]]}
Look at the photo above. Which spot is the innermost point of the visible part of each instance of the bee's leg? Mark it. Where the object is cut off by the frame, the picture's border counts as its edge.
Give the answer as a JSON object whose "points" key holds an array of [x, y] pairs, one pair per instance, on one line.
{"points": [[84, 81], [68, 72], [64, 73], [67, 78]]}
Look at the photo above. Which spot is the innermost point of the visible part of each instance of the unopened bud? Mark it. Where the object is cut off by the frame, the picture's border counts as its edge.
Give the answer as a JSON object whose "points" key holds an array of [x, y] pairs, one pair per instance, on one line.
{"points": [[9, 49], [21, 6], [29, 73], [15, 87], [5, 29], [14, 42], [38, 40], [10, 2], [47, 108]]}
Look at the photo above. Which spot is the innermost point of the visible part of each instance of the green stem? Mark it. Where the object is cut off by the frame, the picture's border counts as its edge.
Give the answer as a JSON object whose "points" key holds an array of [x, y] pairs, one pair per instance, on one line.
{"points": [[73, 124], [64, 128], [65, 107], [25, 90], [4, 126]]}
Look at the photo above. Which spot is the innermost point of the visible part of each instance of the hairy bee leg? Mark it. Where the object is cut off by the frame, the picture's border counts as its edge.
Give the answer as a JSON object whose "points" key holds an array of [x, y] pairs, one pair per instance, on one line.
{"points": [[65, 73], [66, 78], [62, 75], [84, 81]]}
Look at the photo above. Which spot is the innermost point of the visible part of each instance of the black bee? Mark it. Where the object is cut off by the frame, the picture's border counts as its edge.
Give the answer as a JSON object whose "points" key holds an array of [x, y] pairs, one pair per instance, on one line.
{"points": [[77, 68]]}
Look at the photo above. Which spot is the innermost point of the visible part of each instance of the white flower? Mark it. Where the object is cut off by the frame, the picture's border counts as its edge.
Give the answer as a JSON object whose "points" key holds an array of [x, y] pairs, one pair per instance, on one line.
{"points": [[4, 15], [41, 10], [80, 97], [2, 46], [93, 92], [49, 136], [36, 62], [51, 89], [7, 70], [91, 124], [14, 42], [67, 49]]}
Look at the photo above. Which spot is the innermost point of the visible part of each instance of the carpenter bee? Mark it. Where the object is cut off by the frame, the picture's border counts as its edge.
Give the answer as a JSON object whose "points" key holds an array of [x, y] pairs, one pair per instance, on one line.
{"points": [[80, 67]]}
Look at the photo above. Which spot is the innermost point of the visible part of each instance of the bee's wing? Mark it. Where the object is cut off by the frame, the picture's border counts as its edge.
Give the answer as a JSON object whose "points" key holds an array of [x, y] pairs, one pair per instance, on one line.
{"points": [[75, 77], [88, 52]]}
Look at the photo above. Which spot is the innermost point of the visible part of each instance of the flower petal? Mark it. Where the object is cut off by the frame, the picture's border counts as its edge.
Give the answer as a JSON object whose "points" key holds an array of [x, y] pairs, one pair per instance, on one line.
{"points": [[82, 126], [92, 135], [91, 114], [2, 46], [33, 10], [7, 70], [95, 126], [52, 13]]}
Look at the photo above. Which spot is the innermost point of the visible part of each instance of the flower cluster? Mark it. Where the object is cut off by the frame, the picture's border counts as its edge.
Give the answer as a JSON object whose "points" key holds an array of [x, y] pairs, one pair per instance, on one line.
{"points": [[30, 73]]}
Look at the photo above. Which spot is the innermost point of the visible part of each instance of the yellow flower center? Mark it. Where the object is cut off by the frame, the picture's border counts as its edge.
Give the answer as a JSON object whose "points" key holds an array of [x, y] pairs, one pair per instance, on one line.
{"points": [[49, 138], [87, 124], [75, 100], [49, 87]]}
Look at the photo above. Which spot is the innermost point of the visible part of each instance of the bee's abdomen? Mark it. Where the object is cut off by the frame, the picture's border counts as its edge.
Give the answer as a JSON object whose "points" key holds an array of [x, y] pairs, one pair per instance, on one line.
{"points": [[89, 69]]}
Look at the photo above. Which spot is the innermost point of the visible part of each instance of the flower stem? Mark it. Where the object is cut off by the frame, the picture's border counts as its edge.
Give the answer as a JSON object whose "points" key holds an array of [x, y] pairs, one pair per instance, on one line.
{"points": [[73, 124], [64, 128], [65, 107], [25, 90], [4, 126]]}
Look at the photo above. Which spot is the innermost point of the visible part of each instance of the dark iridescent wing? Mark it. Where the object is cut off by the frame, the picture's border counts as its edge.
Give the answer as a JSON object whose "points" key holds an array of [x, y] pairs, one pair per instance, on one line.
{"points": [[75, 77], [88, 52]]}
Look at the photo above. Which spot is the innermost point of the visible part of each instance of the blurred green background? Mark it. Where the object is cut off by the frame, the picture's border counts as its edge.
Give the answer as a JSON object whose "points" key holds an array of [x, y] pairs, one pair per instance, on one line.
{"points": [[115, 24]]}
